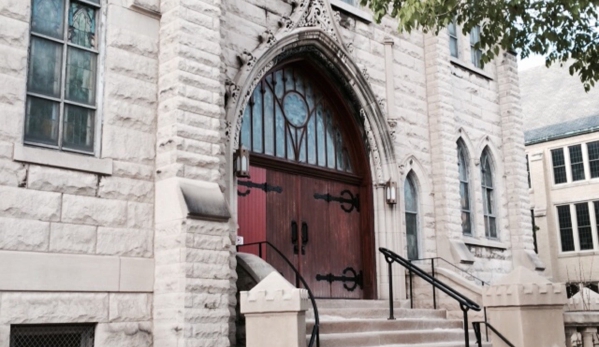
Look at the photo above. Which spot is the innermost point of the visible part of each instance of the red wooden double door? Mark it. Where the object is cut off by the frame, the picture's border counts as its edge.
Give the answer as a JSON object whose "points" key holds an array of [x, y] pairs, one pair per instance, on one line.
{"points": [[316, 223]]}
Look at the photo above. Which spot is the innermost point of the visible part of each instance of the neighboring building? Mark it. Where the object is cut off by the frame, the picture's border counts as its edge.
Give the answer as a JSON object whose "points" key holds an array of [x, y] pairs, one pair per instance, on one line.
{"points": [[122, 120], [562, 147]]}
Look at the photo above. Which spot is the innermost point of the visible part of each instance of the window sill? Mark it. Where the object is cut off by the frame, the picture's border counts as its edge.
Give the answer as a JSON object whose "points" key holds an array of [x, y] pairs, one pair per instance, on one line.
{"points": [[567, 185], [461, 64], [62, 159], [574, 254], [354, 11], [470, 241]]}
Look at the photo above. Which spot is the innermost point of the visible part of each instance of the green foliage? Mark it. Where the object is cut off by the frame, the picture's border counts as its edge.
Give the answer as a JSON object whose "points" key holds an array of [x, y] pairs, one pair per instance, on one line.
{"points": [[563, 31]]}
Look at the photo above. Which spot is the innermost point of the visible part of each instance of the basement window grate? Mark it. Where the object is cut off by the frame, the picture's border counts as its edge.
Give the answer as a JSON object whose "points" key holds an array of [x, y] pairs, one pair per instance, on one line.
{"points": [[52, 335]]}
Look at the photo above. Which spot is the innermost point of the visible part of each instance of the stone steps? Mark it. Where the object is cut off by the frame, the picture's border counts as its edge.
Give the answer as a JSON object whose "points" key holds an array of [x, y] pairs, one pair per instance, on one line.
{"points": [[364, 323]]}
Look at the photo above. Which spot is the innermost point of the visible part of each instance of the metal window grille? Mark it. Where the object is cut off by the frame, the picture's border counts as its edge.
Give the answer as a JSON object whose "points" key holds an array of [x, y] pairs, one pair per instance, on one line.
{"points": [[565, 228], [52, 335], [559, 166], [576, 162]]}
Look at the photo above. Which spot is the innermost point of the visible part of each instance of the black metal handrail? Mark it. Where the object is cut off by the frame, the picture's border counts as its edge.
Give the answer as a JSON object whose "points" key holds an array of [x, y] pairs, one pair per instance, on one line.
{"points": [[465, 303], [483, 283], [315, 336], [477, 333], [433, 272]]}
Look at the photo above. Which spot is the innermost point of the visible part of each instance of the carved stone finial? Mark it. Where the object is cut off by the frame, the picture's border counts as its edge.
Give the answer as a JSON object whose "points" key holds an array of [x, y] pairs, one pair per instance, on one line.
{"points": [[231, 89], [366, 74], [286, 23]]}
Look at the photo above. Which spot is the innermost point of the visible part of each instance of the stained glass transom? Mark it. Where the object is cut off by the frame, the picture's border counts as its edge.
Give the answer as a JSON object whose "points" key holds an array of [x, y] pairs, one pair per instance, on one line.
{"points": [[289, 117]]}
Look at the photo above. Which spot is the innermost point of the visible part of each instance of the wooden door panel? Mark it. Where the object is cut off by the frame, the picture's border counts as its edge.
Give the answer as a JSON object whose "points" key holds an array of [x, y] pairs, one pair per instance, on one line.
{"points": [[314, 213], [281, 210], [345, 251], [251, 210]]}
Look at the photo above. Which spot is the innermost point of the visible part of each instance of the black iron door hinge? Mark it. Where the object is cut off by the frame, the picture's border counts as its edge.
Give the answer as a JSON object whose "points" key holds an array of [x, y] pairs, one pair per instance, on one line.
{"points": [[348, 201], [356, 279], [267, 188]]}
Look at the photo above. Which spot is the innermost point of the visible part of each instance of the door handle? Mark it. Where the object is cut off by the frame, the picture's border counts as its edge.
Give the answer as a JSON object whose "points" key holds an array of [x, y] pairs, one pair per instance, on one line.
{"points": [[294, 237], [304, 236]]}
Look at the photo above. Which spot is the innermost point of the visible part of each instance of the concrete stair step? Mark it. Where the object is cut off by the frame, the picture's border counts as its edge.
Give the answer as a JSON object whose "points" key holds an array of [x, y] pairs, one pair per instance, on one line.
{"points": [[345, 303], [380, 313], [370, 325], [389, 338]]}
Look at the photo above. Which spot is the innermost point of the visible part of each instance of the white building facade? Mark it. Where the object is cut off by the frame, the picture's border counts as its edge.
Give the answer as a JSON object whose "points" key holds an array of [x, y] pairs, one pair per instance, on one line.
{"points": [[119, 198]]}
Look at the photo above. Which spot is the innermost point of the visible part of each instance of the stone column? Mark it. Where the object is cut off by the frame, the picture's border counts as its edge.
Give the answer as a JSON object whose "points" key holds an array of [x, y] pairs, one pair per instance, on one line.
{"points": [[275, 313], [515, 163], [527, 309], [587, 336]]}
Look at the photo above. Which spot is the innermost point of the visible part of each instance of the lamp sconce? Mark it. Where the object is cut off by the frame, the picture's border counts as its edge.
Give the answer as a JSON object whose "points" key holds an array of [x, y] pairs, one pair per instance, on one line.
{"points": [[242, 162], [391, 192]]}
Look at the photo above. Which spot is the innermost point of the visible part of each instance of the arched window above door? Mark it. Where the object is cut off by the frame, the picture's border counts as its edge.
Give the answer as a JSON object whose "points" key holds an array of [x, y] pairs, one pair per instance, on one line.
{"points": [[288, 117]]}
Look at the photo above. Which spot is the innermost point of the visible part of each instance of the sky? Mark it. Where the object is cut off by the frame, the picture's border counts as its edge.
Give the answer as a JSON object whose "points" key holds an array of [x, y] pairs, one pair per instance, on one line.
{"points": [[531, 61]]}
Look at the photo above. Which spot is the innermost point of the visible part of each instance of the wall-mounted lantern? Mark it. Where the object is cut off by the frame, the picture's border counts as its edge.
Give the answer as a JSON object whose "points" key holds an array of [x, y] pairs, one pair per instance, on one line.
{"points": [[242, 162], [391, 192]]}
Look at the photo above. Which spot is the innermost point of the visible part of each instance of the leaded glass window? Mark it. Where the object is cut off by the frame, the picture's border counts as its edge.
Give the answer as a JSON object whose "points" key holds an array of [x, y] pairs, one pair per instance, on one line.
{"points": [[411, 202], [565, 228], [61, 83], [453, 39], [593, 150], [559, 166], [488, 195], [475, 52], [289, 117], [464, 189], [576, 162], [583, 218]]}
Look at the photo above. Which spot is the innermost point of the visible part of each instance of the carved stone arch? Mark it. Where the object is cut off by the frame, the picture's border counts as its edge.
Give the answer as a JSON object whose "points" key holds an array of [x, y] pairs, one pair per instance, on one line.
{"points": [[467, 141], [317, 46]]}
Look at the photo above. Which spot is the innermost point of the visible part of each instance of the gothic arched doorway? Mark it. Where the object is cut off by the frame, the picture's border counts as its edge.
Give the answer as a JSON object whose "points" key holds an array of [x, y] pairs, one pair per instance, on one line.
{"points": [[309, 191]]}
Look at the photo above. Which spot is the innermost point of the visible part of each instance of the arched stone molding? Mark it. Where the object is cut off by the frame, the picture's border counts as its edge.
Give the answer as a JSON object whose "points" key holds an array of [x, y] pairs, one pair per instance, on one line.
{"points": [[470, 147], [324, 48], [424, 187]]}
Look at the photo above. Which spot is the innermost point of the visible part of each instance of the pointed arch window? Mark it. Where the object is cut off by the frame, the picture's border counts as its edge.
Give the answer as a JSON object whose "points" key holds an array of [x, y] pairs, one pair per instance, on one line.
{"points": [[486, 169], [289, 117], [411, 208], [466, 214]]}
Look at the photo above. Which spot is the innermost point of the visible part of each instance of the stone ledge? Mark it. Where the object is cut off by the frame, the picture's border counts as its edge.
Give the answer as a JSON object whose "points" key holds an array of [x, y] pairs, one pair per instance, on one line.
{"points": [[472, 69], [30, 271], [64, 160]]}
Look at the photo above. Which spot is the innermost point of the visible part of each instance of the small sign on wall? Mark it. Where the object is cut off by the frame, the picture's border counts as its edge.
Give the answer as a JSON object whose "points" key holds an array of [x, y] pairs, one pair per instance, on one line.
{"points": [[239, 241]]}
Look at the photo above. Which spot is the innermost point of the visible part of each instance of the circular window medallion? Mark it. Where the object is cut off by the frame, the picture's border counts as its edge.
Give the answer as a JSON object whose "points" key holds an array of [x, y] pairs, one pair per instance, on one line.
{"points": [[295, 108]]}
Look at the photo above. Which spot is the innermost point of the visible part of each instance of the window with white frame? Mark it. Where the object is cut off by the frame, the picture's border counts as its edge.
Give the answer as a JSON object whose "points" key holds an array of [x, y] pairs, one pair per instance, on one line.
{"points": [[61, 105], [578, 226], [411, 211], [486, 169], [475, 52], [453, 39], [593, 153], [577, 162], [466, 215]]}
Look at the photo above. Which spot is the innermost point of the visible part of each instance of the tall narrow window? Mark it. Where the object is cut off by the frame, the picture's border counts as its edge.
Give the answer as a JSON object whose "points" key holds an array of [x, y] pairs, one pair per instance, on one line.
{"points": [[61, 82], [559, 166], [411, 201], [585, 236], [565, 228], [488, 195], [534, 230], [576, 162], [453, 39], [464, 189], [475, 52], [593, 149], [528, 171]]}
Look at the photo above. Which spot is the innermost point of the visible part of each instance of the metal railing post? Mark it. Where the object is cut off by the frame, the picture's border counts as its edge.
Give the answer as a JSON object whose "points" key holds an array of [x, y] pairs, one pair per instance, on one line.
{"points": [[391, 317], [486, 326], [411, 291], [434, 288], [466, 333]]}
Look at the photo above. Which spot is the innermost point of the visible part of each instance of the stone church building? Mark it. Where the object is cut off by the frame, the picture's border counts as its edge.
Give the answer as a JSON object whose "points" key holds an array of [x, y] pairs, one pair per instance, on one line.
{"points": [[142, 139]]}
